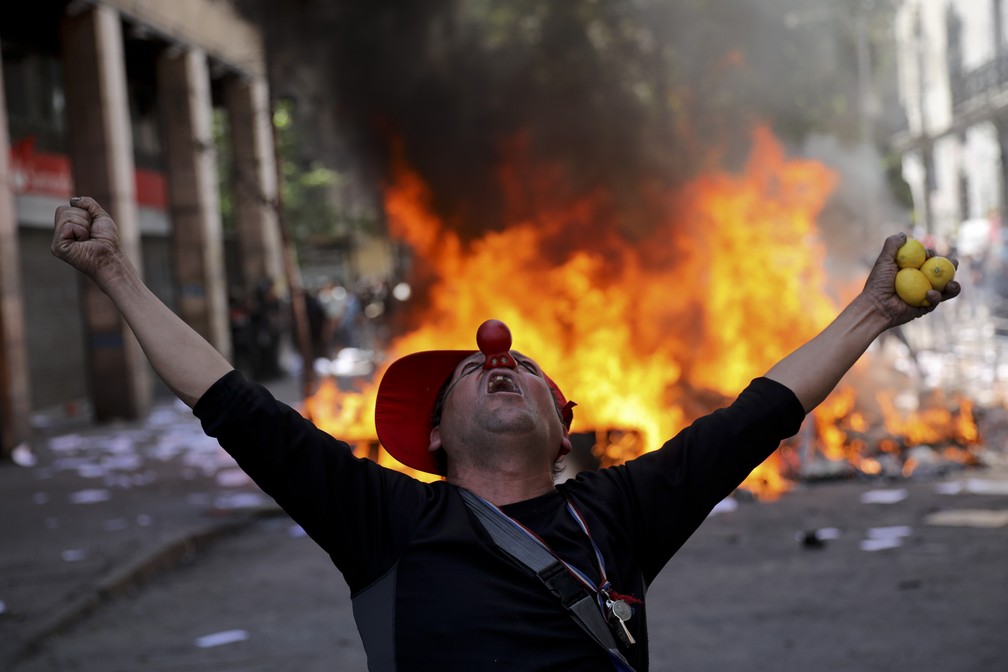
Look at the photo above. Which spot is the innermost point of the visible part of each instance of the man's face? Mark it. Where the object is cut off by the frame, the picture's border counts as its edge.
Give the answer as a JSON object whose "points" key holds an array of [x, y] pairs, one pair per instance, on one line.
{"points": [[484, 406]]}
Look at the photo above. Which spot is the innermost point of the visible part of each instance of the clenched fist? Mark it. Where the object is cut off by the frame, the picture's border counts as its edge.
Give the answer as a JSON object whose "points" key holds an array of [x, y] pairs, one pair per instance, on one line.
{"points": [[86, 238], [880, 287]]}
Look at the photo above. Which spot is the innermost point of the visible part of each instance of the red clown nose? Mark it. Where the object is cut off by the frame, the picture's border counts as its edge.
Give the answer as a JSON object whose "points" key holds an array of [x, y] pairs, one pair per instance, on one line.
{"points": [[494, 340]]}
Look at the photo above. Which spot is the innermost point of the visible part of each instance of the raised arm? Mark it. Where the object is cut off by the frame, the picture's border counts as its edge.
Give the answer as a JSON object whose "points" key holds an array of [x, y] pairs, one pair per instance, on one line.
{"points": [[814, 369], [86, 238]]}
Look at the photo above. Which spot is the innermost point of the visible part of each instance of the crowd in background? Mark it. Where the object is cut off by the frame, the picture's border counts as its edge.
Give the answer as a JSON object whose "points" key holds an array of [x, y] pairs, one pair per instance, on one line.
{"points": [[338, 317]]}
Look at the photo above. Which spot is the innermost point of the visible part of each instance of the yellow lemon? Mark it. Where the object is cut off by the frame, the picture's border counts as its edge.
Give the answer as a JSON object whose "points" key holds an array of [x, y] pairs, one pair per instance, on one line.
{"points": [[911, 254], [939, 272], [912, 286]]}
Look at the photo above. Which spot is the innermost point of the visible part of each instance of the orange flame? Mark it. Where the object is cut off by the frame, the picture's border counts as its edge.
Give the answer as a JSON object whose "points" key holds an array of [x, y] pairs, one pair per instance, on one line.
{"points": [[645, 336]]}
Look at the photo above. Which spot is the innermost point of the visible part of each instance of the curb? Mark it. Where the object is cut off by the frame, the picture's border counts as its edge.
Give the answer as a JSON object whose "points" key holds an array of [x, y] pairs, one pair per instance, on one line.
{"points": [[168, 555]]}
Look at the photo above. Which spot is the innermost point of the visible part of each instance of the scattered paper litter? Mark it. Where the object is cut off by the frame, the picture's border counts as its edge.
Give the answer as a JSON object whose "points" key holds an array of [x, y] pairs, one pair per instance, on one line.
{"points": [[66, 442], [982, 486], [891, 532], [973, 486], [240, 500], [23, 456], [881, 538], [883, 496], [983, 518], [91, 471], [950, 488], [879, 544], [825, 533], [232, 478], [220, 638], [724, 506], [90, 496]]}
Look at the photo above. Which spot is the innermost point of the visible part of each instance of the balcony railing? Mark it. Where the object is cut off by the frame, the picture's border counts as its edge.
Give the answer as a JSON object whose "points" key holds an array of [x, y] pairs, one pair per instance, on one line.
{"points": [[980, 82]]}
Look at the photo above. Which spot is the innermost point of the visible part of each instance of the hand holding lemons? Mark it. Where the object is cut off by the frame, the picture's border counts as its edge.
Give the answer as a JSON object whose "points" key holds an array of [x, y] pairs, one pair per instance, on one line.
{"points": [[918, 274]]}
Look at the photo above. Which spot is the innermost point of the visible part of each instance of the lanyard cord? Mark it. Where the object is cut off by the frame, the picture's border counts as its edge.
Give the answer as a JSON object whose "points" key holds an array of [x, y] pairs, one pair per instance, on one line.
{"points": [[600, 591]]}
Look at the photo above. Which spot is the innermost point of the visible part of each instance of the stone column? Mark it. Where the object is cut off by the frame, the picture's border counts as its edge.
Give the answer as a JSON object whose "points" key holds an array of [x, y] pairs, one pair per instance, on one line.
{"points": [[15, 398], [1001, 124], [197, 236], [255, 181], [101, 153]]}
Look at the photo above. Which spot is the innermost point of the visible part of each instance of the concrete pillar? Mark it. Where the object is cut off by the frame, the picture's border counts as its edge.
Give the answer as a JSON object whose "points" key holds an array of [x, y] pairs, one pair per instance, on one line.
{"points": [[15, 399], [1001, 124], [101, 153], [197, 236], [255, 186]]}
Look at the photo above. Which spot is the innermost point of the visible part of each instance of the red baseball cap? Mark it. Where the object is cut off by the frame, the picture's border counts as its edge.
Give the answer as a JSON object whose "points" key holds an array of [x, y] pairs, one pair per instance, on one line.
{"points": [[407, 394]]}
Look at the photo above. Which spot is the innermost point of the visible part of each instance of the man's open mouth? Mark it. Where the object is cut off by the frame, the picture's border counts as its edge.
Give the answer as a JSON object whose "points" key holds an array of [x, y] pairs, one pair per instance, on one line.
{"points": [[502, 382]]}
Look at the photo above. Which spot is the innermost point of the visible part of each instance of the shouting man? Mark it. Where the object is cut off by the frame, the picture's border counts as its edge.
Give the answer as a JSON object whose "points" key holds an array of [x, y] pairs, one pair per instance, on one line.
{"points": [[496, 567]]}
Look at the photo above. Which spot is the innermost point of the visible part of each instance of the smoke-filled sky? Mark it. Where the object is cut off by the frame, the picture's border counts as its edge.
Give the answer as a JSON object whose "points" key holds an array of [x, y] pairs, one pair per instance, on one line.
{"points": [[626, 96]]}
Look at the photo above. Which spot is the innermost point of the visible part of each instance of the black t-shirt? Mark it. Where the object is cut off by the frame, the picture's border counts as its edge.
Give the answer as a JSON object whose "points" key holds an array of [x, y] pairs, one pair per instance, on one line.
{"points": [[430, 589]]}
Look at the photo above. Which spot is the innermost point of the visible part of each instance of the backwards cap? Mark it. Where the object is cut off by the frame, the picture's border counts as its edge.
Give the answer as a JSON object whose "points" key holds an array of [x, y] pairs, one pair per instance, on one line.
{"points": [[409, 389]]}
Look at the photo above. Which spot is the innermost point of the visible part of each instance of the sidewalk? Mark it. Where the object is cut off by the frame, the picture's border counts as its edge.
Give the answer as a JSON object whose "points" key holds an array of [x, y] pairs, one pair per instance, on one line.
{"points": [[106, 507]]}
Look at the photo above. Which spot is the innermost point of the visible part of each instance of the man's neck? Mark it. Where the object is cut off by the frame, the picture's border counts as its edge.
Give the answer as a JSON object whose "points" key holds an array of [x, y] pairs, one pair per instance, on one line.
{"points": [[503, 489]]}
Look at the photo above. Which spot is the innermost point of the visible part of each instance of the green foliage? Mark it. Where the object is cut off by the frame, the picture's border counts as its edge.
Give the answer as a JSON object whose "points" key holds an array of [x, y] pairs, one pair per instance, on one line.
{"points": [[305, 187], [225, 168]]}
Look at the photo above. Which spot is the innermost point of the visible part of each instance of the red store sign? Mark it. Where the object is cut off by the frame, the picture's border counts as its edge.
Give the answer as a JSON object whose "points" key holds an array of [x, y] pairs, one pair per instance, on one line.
{"points": [[48, 174]]}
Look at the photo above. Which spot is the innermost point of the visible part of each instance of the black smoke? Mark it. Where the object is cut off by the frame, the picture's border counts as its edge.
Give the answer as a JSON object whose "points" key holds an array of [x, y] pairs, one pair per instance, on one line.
{"points": [[620, 96]]}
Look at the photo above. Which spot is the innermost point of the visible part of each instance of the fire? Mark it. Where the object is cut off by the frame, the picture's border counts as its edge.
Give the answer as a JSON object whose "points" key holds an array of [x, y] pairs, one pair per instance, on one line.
{"points": [[644, 335], [650, 334], [843, 434]]}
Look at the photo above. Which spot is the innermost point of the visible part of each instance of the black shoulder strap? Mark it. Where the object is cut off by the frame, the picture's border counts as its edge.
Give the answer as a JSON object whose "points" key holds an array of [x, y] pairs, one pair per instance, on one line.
{"points": [[582, 606]]}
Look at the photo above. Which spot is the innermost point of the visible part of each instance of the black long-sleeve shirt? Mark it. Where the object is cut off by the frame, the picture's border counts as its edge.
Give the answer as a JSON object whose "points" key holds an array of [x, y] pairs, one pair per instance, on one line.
{"points": [[430, 589]]}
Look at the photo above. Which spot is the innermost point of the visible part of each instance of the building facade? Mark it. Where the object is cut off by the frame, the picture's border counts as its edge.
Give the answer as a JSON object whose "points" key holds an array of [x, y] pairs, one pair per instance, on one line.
{"points": [[117, 99], [953, 81]]}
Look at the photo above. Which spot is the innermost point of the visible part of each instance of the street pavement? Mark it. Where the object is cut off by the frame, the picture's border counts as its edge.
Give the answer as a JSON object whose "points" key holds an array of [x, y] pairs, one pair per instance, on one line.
{"points": [[140, 546]]}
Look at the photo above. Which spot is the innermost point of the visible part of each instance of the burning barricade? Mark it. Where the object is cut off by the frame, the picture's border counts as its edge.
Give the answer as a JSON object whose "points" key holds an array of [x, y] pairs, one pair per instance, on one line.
{"points": [[648, 332]]}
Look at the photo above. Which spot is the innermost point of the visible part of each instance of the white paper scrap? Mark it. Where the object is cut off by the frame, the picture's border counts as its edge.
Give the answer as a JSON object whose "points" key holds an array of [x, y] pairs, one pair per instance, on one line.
{"points": [[726, 505], [825, 533], [66, 443], [220, 638], [891, 532], [950, 488], [883, 496], [983, 486], [240, 500], [23, 456], [880, 544], [973, 486], [982, 518], [232, 478], [90, 496]]}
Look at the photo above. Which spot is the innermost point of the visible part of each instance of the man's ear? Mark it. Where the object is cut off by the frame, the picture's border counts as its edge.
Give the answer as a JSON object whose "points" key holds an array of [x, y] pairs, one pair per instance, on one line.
{"points": [[565, 444], [435, 440]]}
